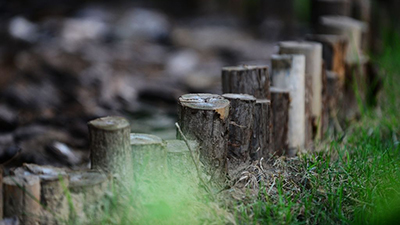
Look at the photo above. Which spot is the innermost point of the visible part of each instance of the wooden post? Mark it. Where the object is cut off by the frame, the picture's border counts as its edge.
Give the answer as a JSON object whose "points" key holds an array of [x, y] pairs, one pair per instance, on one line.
{"points": [[241, 116], [329, 7], [180, 161], [110, 149], [288, 72], [280, 101], [21, 198], [261, 139], [313, 108], [252, 80], [149, 158], [87, 189], [334, 49], [351, 28], [204, 118], [53, 197]]}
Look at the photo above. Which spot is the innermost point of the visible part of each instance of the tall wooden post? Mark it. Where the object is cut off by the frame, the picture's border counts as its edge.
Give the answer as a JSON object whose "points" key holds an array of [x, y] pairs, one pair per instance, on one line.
{"points": [[241, 116], [280, 101], [204, 118], [252, 80], [288, 72], [313, 54], [110, 149]]}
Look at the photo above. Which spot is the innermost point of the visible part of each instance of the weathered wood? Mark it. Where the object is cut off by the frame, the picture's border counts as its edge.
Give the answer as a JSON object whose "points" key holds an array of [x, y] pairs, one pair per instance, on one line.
{"points": [[53, 197], [351, 28], [261, 139], [110, 149], [288, 72], [204, 118], [149, 158], [252, 80], [334, 49], [313, 92], [87, 189], [179, 159], [280, 102], [334, 94], [21, 198], [241, 116], [329, 7]]}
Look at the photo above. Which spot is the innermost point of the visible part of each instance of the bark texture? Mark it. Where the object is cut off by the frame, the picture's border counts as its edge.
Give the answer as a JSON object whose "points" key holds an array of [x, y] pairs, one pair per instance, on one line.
{"points": [[288, 72], [21, 196], [252, 80], [280, 101], [204, 118], [110, 145], [241, 116], [313, 79], [261, 139]]}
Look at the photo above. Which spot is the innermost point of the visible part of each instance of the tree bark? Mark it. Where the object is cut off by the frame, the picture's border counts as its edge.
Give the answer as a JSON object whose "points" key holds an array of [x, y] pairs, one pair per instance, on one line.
{"points": [[252, 80], [241, 116], [110, 149], [313, 81], [21, 198], [288, 72], [280, 101], [204, 118], [179, 159], [149, 157], [261, 139]]}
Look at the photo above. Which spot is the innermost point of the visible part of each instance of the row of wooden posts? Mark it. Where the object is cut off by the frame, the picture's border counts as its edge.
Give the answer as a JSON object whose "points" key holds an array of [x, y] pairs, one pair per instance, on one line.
{"points": [[312, 86]]}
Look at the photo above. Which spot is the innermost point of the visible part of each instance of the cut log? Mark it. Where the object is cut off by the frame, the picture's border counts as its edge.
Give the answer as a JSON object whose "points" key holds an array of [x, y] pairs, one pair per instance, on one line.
{"points": [[351, 28], [204, 118], [53, 197], [288, 72], [110, 149], [329, 7], [313, 79], [22, 198], [87, 189], [180, 160], [280, 101], [334, 49], [241, 116], [261, 139], [149, 158], [252, 80]]}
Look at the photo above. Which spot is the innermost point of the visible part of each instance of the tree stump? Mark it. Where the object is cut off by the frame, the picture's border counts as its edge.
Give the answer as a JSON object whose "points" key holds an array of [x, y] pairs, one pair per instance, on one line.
{"points": [[351, 28], [280, 101], [313, 108], [288, 72], [54, 199], [110, 149], [241, 116], [329, 7], [204, 118], [87, 189], [334, 49], [252, 80], [149, 158], [179, 159], [22, 197], [261, 139]]}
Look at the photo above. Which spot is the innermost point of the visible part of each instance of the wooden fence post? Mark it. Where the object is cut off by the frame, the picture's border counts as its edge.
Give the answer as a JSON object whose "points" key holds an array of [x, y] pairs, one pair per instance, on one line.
{"points": [[288, 72], [251, 80], [21, 198], [313, 54], [241, 116], [204, 118], [261, 139], [110, 149], [280, 101]]}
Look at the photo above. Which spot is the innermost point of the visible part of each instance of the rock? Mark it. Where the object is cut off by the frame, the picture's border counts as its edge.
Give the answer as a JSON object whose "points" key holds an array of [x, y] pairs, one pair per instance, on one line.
{"points": [[8, 118], [10, 221], [21, 28], [182, 62], [62, 152]]}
